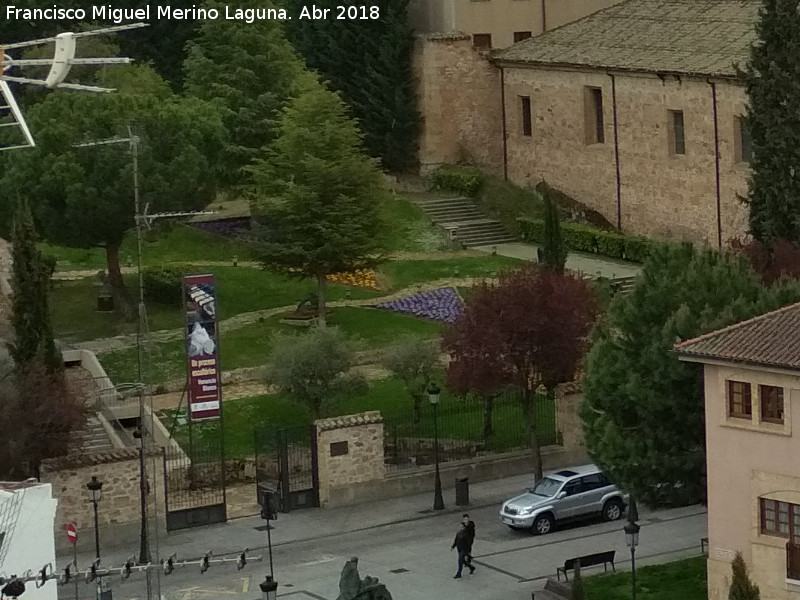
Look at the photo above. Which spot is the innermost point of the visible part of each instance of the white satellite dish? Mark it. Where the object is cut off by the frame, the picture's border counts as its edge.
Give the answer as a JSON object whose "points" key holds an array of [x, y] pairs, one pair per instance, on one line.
{"points": [[60, 65]]}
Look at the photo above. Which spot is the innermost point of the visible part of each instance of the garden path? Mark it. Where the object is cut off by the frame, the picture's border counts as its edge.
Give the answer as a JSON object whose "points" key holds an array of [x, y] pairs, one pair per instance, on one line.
{"points": [[121, 342]]}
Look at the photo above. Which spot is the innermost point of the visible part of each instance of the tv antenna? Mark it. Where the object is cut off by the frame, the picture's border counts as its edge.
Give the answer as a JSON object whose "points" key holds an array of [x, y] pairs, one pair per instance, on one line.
{"points": [[60, 64]]}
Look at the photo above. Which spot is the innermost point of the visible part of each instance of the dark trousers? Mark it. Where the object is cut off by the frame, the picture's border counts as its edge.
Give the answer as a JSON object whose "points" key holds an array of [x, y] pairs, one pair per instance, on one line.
{"points": [[463, 559]]}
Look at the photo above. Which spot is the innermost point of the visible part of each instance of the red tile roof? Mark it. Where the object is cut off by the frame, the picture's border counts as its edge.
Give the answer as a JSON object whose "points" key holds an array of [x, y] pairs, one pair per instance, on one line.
{"points": [[771, 339]]}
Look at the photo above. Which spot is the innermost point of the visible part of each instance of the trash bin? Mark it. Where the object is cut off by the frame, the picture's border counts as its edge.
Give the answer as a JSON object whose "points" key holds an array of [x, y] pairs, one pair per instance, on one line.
{"points": [[462, 491], [105, 303]]}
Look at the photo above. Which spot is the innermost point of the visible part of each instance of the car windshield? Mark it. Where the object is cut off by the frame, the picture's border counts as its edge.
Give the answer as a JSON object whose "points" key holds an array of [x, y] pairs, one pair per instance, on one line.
{"points": [[546, 487]]}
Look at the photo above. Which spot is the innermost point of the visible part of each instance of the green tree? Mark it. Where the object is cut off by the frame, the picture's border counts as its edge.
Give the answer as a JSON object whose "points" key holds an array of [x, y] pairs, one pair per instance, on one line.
{"points": [[30, 282], [553, 252], [380, 89], [314, 368], [414, 361], [773, 88], [315, 195], [250, 70], [83, 197], [741, 586], [643, 408]]}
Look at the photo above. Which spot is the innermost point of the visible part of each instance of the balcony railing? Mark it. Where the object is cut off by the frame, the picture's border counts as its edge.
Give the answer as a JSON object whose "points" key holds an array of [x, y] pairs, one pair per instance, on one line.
{"points": [[792, 561]]}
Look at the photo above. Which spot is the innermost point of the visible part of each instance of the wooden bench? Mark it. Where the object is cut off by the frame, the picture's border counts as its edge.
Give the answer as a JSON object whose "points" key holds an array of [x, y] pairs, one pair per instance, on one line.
{"points": [[590, 560], [703, 545]]}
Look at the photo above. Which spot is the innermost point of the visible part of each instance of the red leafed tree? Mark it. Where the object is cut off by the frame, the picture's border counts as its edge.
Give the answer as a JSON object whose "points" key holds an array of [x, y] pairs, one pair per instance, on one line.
{"points": [[531, 328], [41, 414], [779, 259]]}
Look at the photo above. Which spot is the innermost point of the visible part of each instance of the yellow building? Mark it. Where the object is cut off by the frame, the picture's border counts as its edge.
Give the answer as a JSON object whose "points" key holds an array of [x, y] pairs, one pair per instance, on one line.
{"points": [[752, 386]]}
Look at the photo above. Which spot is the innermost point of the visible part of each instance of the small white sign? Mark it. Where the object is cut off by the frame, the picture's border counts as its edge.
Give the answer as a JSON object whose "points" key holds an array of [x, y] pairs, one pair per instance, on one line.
{"points": [[722, 553]]}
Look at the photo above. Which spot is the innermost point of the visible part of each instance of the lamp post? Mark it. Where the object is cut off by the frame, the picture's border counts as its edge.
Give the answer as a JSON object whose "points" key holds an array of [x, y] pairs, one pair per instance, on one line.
{"points": [[270, 588], [96, 488], [632, 540], [433, 397]]}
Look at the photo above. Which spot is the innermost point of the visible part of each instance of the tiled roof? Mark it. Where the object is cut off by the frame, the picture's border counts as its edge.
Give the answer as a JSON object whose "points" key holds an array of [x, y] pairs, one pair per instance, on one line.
{"points": [[772, 339], [365, 418], [694, 37]]}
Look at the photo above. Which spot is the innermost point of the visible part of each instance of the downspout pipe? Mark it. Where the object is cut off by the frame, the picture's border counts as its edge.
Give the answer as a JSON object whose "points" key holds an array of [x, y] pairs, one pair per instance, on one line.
{"points": [[616, 150], [716, 160], [544, 16], [505, 129]]}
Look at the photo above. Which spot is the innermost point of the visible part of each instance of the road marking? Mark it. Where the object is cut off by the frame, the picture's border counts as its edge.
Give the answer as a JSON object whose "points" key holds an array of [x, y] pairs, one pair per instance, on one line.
{"points": [[245, 585], [326, 558]]}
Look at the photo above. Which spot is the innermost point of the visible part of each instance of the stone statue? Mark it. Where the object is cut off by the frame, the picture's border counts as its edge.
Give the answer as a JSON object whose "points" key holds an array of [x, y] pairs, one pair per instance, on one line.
{"points": [[352, 587]]}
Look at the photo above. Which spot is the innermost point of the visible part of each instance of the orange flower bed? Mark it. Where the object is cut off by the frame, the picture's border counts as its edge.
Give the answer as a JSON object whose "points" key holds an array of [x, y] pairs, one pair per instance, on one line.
{"points": [[364, 278]]}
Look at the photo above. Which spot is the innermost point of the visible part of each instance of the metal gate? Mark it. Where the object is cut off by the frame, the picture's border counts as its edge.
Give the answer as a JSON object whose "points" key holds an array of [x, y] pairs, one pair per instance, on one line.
{"points": [[194, 486], [286, 461]]}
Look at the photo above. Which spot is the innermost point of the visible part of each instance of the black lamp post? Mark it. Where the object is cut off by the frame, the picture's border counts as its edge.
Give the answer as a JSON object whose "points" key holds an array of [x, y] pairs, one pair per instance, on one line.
{"points": [[96, 488], [433, 396], [632, 540], [270, 588]]}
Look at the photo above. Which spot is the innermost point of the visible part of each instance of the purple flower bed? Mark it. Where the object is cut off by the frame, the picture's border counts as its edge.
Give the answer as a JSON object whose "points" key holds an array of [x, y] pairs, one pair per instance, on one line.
{"points": [[443, 305]]}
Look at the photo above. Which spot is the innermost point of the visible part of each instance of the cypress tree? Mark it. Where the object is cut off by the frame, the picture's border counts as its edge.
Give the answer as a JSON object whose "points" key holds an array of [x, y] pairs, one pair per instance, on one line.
{"points": [[553, 252], [773, 88], [30, 316], [741, 586]]}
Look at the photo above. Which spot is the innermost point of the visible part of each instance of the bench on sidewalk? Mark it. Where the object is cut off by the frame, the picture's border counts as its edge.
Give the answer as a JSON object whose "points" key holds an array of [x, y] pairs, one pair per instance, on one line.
{"points": [[590, 560]]}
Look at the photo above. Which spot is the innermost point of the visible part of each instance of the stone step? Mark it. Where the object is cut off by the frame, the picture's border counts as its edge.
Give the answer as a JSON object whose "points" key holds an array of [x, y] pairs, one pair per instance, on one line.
{"points": [[470, 223], [455, 215]]}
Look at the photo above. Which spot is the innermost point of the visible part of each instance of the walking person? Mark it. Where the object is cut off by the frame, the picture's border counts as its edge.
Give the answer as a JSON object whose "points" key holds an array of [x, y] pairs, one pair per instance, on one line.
{"points": [[462, 543], [469, 526]]}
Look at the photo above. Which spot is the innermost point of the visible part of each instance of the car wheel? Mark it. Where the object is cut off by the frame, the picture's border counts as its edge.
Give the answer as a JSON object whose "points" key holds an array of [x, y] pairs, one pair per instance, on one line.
{"points": [[612, 510], [543, 524]]}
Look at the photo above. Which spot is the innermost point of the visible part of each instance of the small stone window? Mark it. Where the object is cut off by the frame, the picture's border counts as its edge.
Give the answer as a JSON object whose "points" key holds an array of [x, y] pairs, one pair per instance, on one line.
{"points": [[525, 108], [677, 139], [744, 143], [739, 400], [482, 41], [771, 400], [521, 35], [593, 115], [339, 448]]}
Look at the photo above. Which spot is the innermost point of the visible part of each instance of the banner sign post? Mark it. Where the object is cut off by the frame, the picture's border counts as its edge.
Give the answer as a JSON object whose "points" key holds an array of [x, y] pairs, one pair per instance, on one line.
{"points": [[202, 347]]}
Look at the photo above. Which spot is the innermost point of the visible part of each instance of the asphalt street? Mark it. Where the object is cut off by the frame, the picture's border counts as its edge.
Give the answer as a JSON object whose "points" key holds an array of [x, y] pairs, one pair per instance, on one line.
{"points": [[413, 558]]}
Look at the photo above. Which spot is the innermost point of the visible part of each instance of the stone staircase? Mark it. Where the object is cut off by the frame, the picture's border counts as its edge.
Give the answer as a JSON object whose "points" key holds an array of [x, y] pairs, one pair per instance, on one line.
{"points": [[93, 438], [465, 222]]}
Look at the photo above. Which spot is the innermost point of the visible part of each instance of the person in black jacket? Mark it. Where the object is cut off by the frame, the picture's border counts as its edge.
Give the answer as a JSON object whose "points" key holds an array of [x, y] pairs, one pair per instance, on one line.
{"points": [[463, 543]]}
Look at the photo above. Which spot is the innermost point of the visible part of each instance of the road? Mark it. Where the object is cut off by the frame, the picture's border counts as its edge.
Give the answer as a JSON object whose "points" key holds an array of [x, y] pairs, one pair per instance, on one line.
{"points": [[414, 560]]}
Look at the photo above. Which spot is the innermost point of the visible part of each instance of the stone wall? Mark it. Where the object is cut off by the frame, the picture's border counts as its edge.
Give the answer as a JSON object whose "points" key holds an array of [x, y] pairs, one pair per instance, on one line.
{"points": [[349, 451], [459, 98], [661, 194], [120, 502]]}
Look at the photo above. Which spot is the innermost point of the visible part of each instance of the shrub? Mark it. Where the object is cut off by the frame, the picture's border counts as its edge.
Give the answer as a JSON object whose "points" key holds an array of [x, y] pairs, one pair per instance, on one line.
{"points": [[531, 230], [459, 179], [163, 285], [638, 249], [611, 244], [580, 237]]}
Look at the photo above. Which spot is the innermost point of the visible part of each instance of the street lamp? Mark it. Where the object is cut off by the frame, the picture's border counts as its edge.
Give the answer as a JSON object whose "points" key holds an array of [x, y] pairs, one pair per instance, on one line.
{"points": [[433, 397], [632, 540], [270, 588], [96, 488]]}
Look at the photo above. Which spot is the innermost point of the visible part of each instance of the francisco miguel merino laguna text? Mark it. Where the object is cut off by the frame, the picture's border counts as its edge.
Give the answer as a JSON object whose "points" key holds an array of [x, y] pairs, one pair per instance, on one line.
{"points": [[122, 15]]}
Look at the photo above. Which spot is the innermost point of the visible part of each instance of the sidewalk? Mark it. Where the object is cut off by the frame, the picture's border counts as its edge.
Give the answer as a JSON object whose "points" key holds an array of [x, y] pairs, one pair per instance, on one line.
{"points": [[589, 264], [304, 525]]}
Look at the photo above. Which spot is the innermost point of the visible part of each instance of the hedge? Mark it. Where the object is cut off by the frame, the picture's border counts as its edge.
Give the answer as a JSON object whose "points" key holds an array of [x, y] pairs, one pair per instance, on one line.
{"points": [[462, 180], [582, 238]]}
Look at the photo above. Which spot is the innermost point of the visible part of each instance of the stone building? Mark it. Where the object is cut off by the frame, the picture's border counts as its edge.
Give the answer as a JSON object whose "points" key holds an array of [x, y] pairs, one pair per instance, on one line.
{"points": [[498, 23], [635, 110]]}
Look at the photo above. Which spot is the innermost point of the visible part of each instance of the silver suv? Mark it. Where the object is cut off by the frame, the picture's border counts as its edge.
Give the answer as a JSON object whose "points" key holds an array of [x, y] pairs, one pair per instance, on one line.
{"points": [[565, 494]]}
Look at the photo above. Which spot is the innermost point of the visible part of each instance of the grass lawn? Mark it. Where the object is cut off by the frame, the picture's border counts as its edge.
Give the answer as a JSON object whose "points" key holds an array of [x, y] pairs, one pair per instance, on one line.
{"points": [[249, 346], [164, 244], [456, 420], [684, 579], [411, 230], [403, 273], [241, 289]]}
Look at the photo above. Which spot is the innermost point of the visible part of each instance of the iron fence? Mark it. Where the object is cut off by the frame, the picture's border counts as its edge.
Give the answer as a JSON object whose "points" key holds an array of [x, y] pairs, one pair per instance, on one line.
{"points": [[466, 428]]}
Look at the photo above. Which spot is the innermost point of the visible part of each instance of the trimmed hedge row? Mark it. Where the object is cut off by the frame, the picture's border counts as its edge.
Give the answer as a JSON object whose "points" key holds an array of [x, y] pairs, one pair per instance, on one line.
{"points": [[466, 181], [594, 241], [163, 285]]}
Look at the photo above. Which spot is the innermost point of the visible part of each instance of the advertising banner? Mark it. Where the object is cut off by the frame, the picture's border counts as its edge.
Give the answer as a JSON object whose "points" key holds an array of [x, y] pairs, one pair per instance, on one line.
{"points": [[202, 348]]}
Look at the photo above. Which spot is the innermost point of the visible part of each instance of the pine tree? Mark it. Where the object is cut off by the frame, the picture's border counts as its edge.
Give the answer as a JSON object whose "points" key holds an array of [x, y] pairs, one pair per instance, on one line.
{"points": [[315, 193], [741, 586], [773, 88], [642, 412], [370, 62], [553, 252], [30, 316]]}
